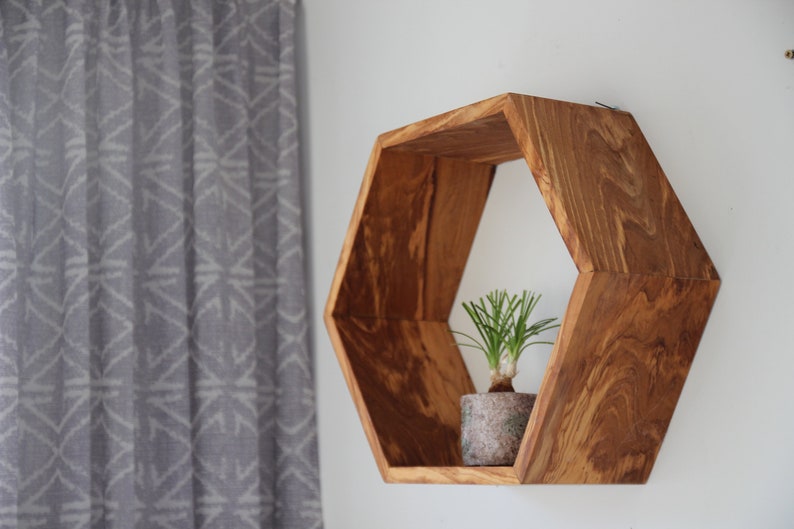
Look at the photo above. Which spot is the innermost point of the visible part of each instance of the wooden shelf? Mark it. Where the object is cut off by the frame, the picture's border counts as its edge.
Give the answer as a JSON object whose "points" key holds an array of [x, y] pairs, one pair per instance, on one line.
{"points": [[628, 336]]}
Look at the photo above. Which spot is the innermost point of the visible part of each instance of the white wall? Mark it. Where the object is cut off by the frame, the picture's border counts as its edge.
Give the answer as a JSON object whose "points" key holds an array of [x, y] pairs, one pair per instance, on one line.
{"points": [[710, 87]]}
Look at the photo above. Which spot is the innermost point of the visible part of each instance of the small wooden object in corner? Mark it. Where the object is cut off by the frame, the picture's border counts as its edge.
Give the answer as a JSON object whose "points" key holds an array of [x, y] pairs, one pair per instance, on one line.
{"points": [[628, 337]]}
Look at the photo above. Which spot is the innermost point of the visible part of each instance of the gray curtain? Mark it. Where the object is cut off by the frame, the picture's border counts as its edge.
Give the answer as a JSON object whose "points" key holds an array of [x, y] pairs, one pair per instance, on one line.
{"points": [[154, 370]]}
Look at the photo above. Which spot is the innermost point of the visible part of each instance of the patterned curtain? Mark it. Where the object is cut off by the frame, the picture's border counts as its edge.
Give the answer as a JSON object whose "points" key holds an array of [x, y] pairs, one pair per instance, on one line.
{"points": [[154, 370]]}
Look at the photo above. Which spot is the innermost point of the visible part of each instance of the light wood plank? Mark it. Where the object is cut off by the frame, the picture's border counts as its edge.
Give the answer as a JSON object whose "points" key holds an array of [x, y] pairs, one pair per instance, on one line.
{"points": [[453, 475]]}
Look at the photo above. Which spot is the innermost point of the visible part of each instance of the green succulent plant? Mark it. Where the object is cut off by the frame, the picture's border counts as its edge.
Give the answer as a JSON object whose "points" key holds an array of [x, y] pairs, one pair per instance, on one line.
{"points": [[502, 323]]}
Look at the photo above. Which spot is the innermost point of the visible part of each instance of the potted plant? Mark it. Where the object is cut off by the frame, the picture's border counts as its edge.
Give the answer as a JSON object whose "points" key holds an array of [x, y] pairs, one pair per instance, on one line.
{"points": [[493, 423]]}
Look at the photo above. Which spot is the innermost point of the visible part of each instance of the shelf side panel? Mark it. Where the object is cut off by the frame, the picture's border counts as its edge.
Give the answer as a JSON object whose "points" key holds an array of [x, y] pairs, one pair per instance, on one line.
{"points": [[614, 378], [486, 140], [605, 189], [410, 246], [478, 133], [406, 378]]}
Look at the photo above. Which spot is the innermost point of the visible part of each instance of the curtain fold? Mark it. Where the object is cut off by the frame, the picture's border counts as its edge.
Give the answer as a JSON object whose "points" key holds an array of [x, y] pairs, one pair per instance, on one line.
{"points": [[154, 363]]}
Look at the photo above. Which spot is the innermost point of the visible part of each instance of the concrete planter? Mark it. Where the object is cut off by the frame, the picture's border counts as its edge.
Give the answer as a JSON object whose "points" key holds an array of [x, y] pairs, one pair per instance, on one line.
{"points": [[492, 427]]}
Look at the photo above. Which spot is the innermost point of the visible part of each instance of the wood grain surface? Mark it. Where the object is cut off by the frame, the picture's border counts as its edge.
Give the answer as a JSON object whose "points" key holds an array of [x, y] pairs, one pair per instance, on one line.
{"points": [[617, 368], [412, 238], [605, 189], [409, 376], [453, 475], [476, 133]]}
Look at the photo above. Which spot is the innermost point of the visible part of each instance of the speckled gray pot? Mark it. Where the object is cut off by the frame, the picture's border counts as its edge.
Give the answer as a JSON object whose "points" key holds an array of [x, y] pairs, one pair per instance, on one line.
{"points": [[492, 426]]}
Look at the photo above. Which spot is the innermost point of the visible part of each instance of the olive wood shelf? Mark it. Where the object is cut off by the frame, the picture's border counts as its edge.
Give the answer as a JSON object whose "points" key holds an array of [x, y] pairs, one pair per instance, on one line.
{"points": [[629, 333]]}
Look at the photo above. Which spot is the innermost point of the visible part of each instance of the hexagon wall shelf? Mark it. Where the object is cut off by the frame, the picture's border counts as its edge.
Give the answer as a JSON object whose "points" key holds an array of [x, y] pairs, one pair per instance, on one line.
{"points": [[628, 336]]}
